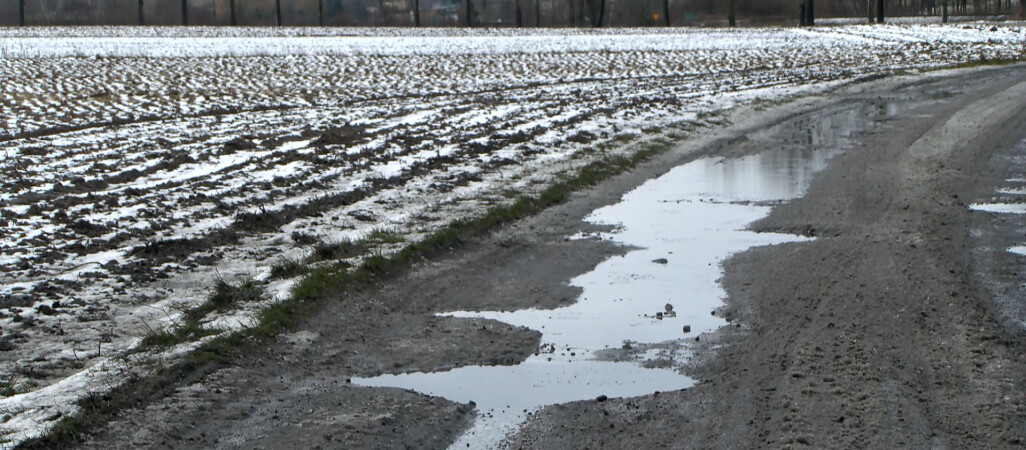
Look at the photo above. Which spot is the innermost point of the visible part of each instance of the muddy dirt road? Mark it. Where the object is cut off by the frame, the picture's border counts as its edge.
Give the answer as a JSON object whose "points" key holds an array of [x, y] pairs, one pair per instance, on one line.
{"points": [[898, 326]]}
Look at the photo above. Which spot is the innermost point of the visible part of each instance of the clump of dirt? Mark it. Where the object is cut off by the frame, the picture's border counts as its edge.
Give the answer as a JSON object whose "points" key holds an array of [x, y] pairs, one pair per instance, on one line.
{"points": [[239, 143], [347, 134], [87, 228], [260, 221], [162, 251]]}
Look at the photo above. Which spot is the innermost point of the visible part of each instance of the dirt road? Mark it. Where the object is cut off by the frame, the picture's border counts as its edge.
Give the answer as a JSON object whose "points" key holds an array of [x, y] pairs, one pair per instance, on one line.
{"points": [[899, 326]]}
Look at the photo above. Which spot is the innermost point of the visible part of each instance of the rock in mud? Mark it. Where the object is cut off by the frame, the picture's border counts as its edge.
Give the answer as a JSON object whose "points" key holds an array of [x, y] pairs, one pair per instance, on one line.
{"points": [[660, 261]]}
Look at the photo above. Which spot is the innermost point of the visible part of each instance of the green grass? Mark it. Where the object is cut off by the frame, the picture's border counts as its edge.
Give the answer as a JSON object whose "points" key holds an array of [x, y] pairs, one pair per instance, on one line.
{"points": [[225, 295], [337, 249], [8, 387], [287, 268], [382, 236]]}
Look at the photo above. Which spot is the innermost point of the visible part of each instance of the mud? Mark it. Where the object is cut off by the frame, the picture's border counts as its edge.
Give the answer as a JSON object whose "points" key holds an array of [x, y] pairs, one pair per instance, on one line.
{"points": [[882, 332], [885, 331]]}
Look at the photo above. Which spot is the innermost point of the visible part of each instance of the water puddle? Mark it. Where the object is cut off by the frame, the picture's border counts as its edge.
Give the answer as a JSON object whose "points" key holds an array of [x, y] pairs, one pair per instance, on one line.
{"points": [[1000, 208], [626, 335]]}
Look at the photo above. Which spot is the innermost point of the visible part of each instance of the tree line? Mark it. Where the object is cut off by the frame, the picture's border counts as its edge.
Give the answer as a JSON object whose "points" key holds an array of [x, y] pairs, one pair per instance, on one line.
{"points": [[480, 13]]}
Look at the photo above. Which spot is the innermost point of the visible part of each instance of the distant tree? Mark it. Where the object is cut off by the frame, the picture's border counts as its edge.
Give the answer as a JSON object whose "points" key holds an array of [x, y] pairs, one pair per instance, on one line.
{"points": [[416, 12], [602, 13], [21, 12], [470, 13], [944, 11], [732, 13], [231, 6], [666, 12], [519, 18], [185, 12], [880, 11], [810, 13], [537, 13], [320, 13], [142, 18], [277, 11]]}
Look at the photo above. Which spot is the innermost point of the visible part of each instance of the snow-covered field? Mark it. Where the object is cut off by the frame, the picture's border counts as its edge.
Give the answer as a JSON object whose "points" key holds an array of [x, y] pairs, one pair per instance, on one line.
{"points": [[142, 164]]}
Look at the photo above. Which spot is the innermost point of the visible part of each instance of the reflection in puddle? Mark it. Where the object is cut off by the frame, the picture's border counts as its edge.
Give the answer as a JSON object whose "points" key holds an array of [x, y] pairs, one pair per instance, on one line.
{"points": [[684, 224], [1001, 208], [1013, 191]]}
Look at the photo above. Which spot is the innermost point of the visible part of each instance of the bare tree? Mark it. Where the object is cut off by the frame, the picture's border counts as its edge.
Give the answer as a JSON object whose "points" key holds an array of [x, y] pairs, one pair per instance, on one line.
{"points": [[277, 11], [231, 6], [944, 11], [602, 13], [880, 11], [416, 12], [185, 12], [732, 13], [142, 17], [519, 17], [21, 12], [470, 13], [537, 13], [666, 12], [810, 13]]}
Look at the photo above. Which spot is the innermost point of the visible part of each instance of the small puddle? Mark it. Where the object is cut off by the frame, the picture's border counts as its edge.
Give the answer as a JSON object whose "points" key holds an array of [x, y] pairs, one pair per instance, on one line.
{"points": [[1000, 208], [610, 341]]}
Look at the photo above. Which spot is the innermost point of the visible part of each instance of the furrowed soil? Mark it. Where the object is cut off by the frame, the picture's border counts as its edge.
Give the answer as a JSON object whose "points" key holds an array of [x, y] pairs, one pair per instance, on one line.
{"points": [[899, 326]]}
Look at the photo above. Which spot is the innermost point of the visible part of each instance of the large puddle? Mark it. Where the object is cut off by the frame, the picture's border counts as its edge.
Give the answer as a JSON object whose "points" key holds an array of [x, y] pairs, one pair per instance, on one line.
{"points": [[620, 338]]}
